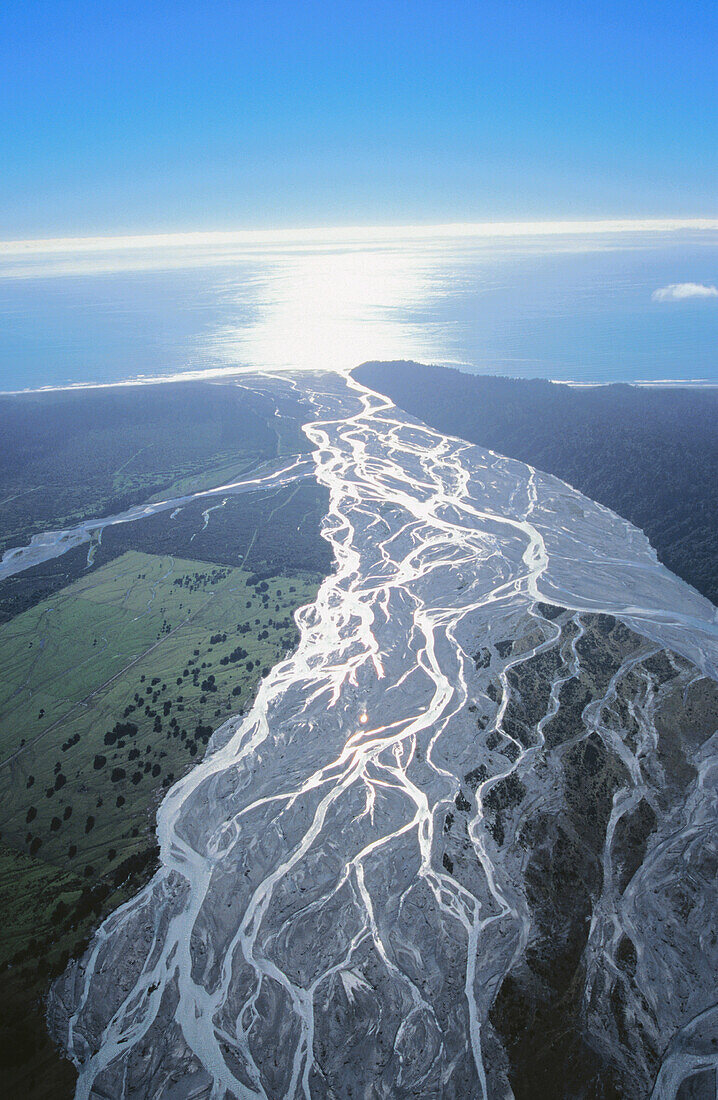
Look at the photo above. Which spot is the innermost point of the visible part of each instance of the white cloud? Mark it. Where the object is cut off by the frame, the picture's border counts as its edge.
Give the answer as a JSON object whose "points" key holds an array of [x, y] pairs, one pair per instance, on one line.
{"points": [[78, 256], [342, 235], [678, 292]]}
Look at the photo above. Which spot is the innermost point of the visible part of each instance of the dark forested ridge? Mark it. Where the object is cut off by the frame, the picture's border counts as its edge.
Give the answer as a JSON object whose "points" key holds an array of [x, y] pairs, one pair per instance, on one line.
{"points": [[649, 454], [70, 454]]}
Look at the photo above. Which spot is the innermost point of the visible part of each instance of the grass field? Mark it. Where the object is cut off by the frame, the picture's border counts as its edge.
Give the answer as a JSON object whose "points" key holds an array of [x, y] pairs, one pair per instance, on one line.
{"points": [[109, 691]]}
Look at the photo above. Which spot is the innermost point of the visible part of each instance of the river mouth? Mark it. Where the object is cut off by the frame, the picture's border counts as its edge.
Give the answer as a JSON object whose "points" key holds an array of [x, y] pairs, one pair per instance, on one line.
{"points": [[355, 888]]}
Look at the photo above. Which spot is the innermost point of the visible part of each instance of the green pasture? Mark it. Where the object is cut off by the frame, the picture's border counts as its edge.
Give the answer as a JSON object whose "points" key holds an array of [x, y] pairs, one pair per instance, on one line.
{"points": [[109, 691]]}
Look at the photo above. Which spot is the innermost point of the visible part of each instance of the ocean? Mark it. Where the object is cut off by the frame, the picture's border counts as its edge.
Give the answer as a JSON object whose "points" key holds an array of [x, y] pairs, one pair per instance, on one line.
{"points": [[587, 306]]}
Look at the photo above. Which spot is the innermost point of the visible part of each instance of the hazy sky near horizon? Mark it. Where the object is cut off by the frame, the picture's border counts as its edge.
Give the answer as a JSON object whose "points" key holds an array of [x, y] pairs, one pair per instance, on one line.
{"points": [[157, 116]]}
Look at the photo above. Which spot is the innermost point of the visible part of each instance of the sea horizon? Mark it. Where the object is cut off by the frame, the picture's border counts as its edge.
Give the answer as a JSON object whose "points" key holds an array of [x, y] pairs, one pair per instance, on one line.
{"points": [[578, 302]]}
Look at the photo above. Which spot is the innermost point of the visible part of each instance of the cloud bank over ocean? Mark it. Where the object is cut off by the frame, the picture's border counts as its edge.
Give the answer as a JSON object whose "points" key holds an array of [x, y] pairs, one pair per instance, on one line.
{"points": [[678, 292], [75, 256]]}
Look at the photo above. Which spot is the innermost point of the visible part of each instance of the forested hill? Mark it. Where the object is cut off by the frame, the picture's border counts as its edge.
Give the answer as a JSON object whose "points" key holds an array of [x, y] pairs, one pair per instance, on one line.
{"points": [[649, 454], [66, 455]]}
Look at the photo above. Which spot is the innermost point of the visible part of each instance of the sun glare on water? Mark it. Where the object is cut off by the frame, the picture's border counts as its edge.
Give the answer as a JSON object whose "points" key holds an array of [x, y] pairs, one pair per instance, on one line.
{"points": [[332, 310], [327, 300]]}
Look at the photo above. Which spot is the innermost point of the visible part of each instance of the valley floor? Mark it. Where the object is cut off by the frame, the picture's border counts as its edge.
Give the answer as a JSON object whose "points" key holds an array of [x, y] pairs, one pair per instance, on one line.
{"points": [[462, 844]]}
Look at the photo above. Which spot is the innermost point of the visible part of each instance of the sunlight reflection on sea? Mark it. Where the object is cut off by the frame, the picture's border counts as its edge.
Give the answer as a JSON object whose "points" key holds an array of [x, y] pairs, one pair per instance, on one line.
{"points": [[543, 302]]}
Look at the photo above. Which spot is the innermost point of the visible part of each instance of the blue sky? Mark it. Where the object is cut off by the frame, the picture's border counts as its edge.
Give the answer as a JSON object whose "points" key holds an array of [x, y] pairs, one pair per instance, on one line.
{"points": [[118, 117]]}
